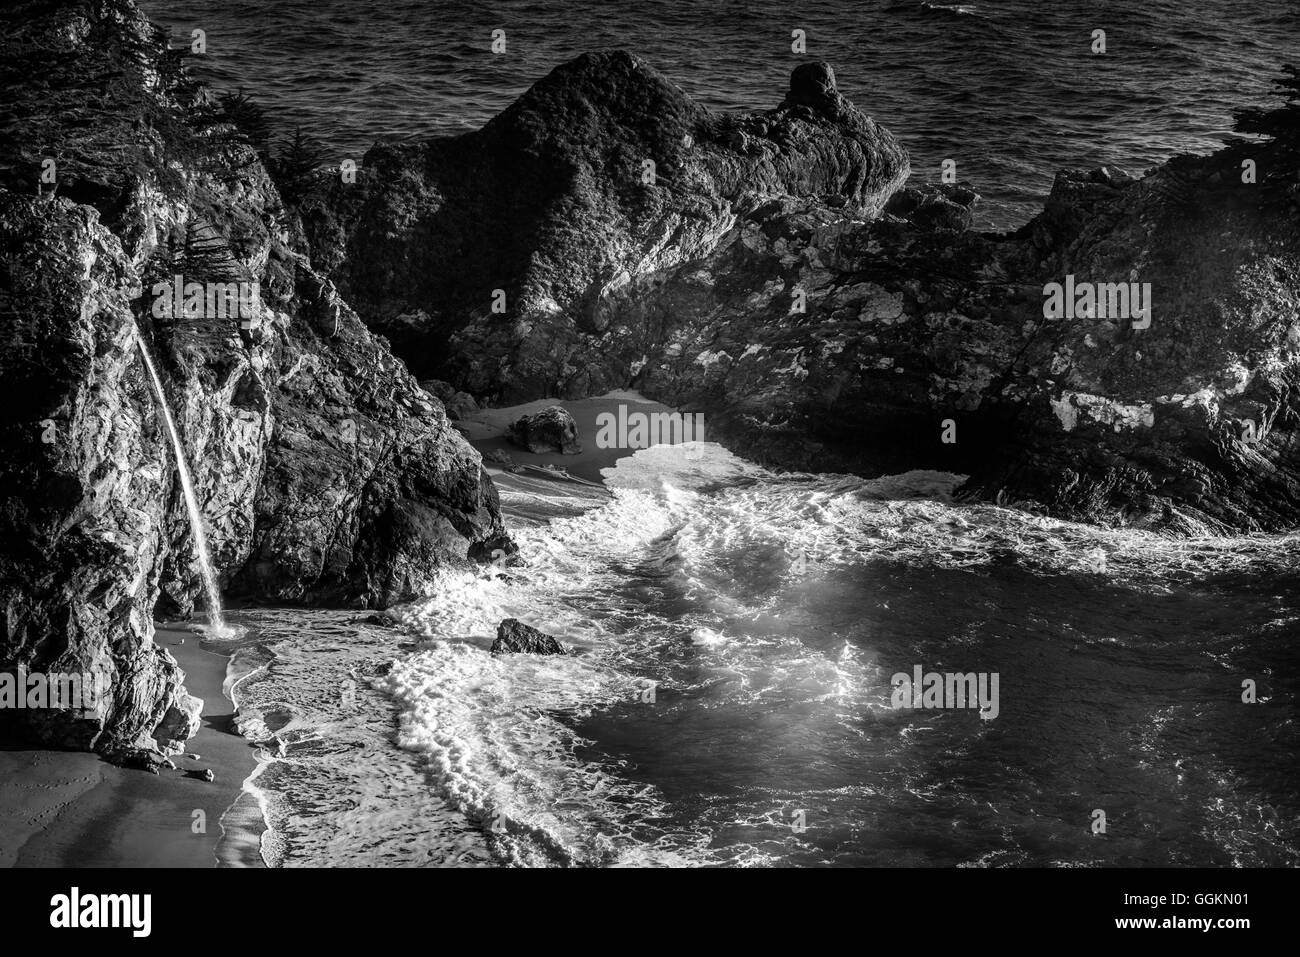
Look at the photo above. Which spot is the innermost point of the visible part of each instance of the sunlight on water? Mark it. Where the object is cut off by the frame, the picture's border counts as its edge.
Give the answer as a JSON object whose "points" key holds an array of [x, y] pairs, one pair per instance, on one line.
{"points": [[767, 614]]}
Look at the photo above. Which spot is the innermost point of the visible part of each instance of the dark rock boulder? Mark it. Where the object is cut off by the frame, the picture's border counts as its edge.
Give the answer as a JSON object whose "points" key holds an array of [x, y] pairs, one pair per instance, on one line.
{"points": [[142, 759], [943, 207], [813, 85], [514, 637], [551, 430]]}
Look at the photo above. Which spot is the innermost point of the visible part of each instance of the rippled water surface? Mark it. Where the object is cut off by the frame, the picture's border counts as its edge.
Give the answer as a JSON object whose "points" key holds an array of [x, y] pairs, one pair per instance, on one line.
{"points": [[1010, 89]]}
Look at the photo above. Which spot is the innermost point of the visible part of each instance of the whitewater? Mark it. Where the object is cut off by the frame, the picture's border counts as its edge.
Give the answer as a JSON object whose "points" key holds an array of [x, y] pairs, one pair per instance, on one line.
{"points": [[726, 700]]}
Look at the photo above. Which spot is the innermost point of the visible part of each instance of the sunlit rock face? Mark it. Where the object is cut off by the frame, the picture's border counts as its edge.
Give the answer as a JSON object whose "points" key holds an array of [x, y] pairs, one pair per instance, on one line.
{"points": [[322, 470]]}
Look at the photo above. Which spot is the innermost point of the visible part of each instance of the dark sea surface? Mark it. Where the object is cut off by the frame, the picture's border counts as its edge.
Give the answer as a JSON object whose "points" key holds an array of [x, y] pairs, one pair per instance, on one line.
{"points": [[1009, 89]]}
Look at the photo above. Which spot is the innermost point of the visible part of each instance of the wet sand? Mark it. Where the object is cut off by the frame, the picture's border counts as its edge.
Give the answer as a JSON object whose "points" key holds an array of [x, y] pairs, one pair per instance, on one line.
{"points": [[70, 809]]}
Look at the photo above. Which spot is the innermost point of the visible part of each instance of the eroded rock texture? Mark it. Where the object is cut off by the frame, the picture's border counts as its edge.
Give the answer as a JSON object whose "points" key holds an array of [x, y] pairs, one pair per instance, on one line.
{"points": [[602, 174], [323, 471], [776, 278], [516, 638], [550, 430]]}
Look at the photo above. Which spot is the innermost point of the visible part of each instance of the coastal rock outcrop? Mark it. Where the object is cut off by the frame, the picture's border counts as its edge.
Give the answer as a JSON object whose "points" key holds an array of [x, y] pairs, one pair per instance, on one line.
{"points": [[924, 345], [488, 259], [84, 483], [516, 638], [550, 430], [322, 470], [779, 279]]}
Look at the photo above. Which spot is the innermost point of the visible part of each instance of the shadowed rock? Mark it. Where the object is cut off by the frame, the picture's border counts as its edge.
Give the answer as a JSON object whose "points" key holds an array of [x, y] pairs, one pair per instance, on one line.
{"points": [[514, 637], [601, 173], [458, 404], [935, 207], [551, 430], [813, 85]]}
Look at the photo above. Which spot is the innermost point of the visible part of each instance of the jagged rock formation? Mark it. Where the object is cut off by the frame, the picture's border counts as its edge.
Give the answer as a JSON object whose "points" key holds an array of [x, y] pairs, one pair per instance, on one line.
{"points": [[323, 471], [488, 259], [516, 638], [776, 279]]}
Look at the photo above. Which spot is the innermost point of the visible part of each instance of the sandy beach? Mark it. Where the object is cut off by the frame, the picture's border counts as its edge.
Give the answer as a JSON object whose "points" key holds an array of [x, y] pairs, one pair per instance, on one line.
{"points": [[69, 809]]}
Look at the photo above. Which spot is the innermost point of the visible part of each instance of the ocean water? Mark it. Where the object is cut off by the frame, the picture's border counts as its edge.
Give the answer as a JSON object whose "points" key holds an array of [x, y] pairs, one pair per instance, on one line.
{"points": [[728, 699], [1009, 89]]}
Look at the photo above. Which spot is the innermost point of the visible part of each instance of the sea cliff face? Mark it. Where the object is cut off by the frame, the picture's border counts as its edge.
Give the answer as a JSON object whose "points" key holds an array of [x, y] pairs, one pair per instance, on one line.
{"points": [[323, 471]]}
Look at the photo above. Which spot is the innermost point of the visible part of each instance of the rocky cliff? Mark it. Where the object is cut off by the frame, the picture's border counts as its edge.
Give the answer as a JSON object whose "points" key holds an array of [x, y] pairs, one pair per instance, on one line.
{"points": [[323, 471], [775, 277]]}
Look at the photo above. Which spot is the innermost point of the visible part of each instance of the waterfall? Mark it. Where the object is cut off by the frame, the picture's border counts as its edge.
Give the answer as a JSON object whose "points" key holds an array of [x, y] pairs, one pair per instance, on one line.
{"points": [[215, 619]]}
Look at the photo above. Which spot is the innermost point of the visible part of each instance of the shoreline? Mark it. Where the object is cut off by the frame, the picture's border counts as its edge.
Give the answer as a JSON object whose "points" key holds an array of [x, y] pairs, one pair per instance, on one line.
{"points": [[486, 431], [74, 809]]}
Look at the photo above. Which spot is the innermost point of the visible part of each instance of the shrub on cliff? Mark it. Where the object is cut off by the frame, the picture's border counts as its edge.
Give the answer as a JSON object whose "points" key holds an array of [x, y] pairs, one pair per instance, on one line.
{"points": [[295, 165]]}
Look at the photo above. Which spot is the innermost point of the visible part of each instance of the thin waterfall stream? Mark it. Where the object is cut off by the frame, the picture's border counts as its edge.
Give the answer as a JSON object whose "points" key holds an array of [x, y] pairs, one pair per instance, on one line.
{"points": [[215, 619]]}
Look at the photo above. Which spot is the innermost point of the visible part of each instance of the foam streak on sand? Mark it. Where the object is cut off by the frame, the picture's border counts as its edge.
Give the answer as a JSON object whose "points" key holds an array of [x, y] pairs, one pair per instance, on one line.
{"points": [[333, 789], [247, 837]]}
